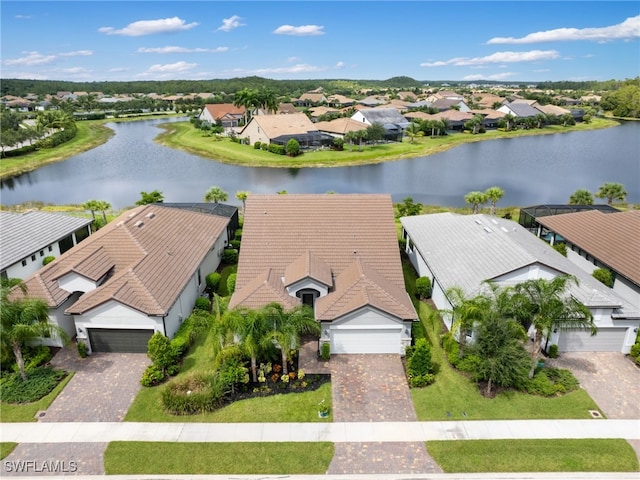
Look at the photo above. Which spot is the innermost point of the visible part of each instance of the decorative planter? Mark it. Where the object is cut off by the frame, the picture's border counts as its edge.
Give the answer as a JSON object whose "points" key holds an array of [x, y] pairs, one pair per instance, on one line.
{"points": [[323, 414]]}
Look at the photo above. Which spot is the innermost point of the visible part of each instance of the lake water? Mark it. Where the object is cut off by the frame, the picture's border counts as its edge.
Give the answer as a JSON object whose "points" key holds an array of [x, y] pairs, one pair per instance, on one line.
{"points": [[531, 170]]}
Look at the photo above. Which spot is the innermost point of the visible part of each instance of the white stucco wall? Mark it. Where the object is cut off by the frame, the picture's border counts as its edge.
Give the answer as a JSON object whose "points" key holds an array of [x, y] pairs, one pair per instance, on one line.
{"points": [[72, 282], [627, 290], [116, 315], [359, 117], [305, 284], [18, 271], [66, 322]]}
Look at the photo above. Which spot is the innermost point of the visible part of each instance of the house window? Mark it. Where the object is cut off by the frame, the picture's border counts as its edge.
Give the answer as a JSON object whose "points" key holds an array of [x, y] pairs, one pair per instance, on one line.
{"points": [[42, 253], [308, 299], [24, 263], [33, 258], [199, 277], [50, 248]]}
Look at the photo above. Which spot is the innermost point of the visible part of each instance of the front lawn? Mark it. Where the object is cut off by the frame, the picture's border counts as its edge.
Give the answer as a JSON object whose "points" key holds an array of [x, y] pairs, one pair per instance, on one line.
{"points": [[290, 407], [455, 397], [6, 448], [123, 458], [26, 412], [564, 455]]}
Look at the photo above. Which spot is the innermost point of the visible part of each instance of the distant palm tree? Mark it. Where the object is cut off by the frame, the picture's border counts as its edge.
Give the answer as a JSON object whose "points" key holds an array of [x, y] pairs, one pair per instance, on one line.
{"points": [[493, 195], [475, 199], [216, 195], [612, 191], [92, 206], [581, 197], [242, 196], [103, 206]]}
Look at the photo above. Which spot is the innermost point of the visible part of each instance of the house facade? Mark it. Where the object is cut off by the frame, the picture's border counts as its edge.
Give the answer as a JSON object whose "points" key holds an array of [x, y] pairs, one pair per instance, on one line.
{"points": [[138, 275], [336, 253], [465, 251], [226, 113], [391, 120], [601, 240], [280, 128], [26, 239]]}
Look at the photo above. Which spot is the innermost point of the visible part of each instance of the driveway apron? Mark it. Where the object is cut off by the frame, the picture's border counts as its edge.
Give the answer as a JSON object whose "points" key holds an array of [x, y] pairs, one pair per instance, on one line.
{"points": [[101, 390], [373, 388]]}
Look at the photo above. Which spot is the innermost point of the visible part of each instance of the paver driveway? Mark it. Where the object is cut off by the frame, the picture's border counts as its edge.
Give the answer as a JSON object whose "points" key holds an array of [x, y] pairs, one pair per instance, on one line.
{"points": [[101, 390], [612, 380], [373, 388]]}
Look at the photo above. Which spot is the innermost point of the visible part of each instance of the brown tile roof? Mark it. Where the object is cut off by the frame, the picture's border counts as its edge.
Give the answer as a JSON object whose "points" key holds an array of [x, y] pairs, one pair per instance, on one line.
{"points": [[279, 230], [308, 265], [153, 251], [291, 124], [219, 110], [340, 125], [612, 238], [452, 115]]}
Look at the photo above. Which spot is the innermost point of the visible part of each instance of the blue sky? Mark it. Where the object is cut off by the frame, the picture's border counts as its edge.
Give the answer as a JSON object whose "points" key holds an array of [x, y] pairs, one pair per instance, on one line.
{"points": [[453, 40]]}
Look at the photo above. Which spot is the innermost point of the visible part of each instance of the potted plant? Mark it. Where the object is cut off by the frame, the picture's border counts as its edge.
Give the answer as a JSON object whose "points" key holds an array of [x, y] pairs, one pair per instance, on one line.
{"points": [[323, 409]]}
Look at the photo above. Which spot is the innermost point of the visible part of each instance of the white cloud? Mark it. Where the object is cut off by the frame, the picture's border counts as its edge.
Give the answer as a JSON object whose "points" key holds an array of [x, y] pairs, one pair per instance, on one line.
{"points": [[150, 27], [498, 57], [31, 58], [75, 70], [301, 31], [230, 23], [23, 17], [339, 65], [173, 49], [628, 29], [77, 53], [497, 76], [172, 67], [293, 59], [118, 70]]}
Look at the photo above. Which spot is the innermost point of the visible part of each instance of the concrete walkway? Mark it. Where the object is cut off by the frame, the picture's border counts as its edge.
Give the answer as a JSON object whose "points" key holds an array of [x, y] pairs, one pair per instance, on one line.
{"points": [[98, 432]]}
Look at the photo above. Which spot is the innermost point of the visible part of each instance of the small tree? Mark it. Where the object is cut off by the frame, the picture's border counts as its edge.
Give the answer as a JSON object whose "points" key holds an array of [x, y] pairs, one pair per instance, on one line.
{"points": [[409, 208], [213, 280], [242, 195], [494, 194], [150, 197], [420, 362], [161, 353], [292, 148], [375, 132]]}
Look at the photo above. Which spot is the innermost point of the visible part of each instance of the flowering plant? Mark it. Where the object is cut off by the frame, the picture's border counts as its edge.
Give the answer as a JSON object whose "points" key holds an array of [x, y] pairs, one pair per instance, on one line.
{"points": [[323, 407]]}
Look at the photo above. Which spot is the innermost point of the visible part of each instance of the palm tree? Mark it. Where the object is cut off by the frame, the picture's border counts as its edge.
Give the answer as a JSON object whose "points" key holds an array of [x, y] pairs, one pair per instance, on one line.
{"points": [[493, 195], [103, 206], [287, 327], [248, 99], [465, 313], [612, 191], [215, 194], [546, 305], [242, 195], [475, 199], [250, 328], [350, 137], [267, 100], [413, 131], [92, 206], [508, 120], [581, 197], [23, 320]]}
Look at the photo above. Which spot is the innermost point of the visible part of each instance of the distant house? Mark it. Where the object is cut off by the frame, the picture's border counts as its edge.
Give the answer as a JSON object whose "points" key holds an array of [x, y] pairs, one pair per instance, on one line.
{"points": [[455, 119], [371, 102], [392, 121], [310, 99], [280, 129], [226, 113], [443, 104], [464, 251], [601, 240], [27, 238], [139, 274], [340, 101], [340, 126], [336, 253], [519, 110], [320, 111]]}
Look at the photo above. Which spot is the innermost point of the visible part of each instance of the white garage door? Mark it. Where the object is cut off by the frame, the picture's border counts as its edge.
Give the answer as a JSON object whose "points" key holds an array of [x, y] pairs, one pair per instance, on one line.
{"points": [[365, 340], [607, 340]]}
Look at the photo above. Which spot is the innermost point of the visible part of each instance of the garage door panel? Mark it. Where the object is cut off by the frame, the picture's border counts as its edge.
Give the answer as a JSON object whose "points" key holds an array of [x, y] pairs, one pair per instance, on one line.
{"points": [[606, 340], [119, 340], [353, 341]]}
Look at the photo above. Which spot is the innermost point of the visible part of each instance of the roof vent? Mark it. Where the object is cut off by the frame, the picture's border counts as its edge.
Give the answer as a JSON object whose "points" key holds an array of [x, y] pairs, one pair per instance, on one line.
{"points": [[504, 229], [494, 221], [488, 230], [138, 224], [478, 221], [151, 215], [120, 223]]}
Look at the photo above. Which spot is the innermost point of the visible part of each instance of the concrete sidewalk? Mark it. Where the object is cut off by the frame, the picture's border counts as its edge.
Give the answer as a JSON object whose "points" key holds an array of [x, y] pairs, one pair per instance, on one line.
{"points": [[90, 432]]}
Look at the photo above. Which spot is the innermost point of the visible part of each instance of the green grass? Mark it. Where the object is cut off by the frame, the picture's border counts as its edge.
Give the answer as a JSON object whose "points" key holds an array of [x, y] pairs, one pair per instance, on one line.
{"points": [[123, 458], [564, 455], [25, 412], [183, 136], [291, 407], [6, 448]]}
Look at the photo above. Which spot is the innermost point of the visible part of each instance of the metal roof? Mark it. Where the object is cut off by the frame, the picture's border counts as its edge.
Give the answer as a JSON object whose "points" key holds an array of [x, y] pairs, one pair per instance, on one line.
{"points": [[22, 234]]}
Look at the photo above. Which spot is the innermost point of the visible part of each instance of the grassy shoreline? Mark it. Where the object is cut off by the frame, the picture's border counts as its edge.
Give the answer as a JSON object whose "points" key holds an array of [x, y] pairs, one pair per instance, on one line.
{"points": [[182, 136]]}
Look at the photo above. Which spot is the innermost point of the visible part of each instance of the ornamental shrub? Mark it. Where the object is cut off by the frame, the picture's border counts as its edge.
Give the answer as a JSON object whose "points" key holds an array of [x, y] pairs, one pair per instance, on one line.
{"points": [[161, 352], [48, 259], [423, 287], [338, 144], [40, 381], [152, 376], [257, 145], [451, 348], [197, 393], [469, 363], [277, 149], [231, 283], [553, 351], [560, 248], [82, 349], [202, 303], [420, 362], [325, 351], [604, 276], [635, 350], [293, 148], [422, 380], [264, 146], [230, 256], [235, 244], [213, 280]]}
